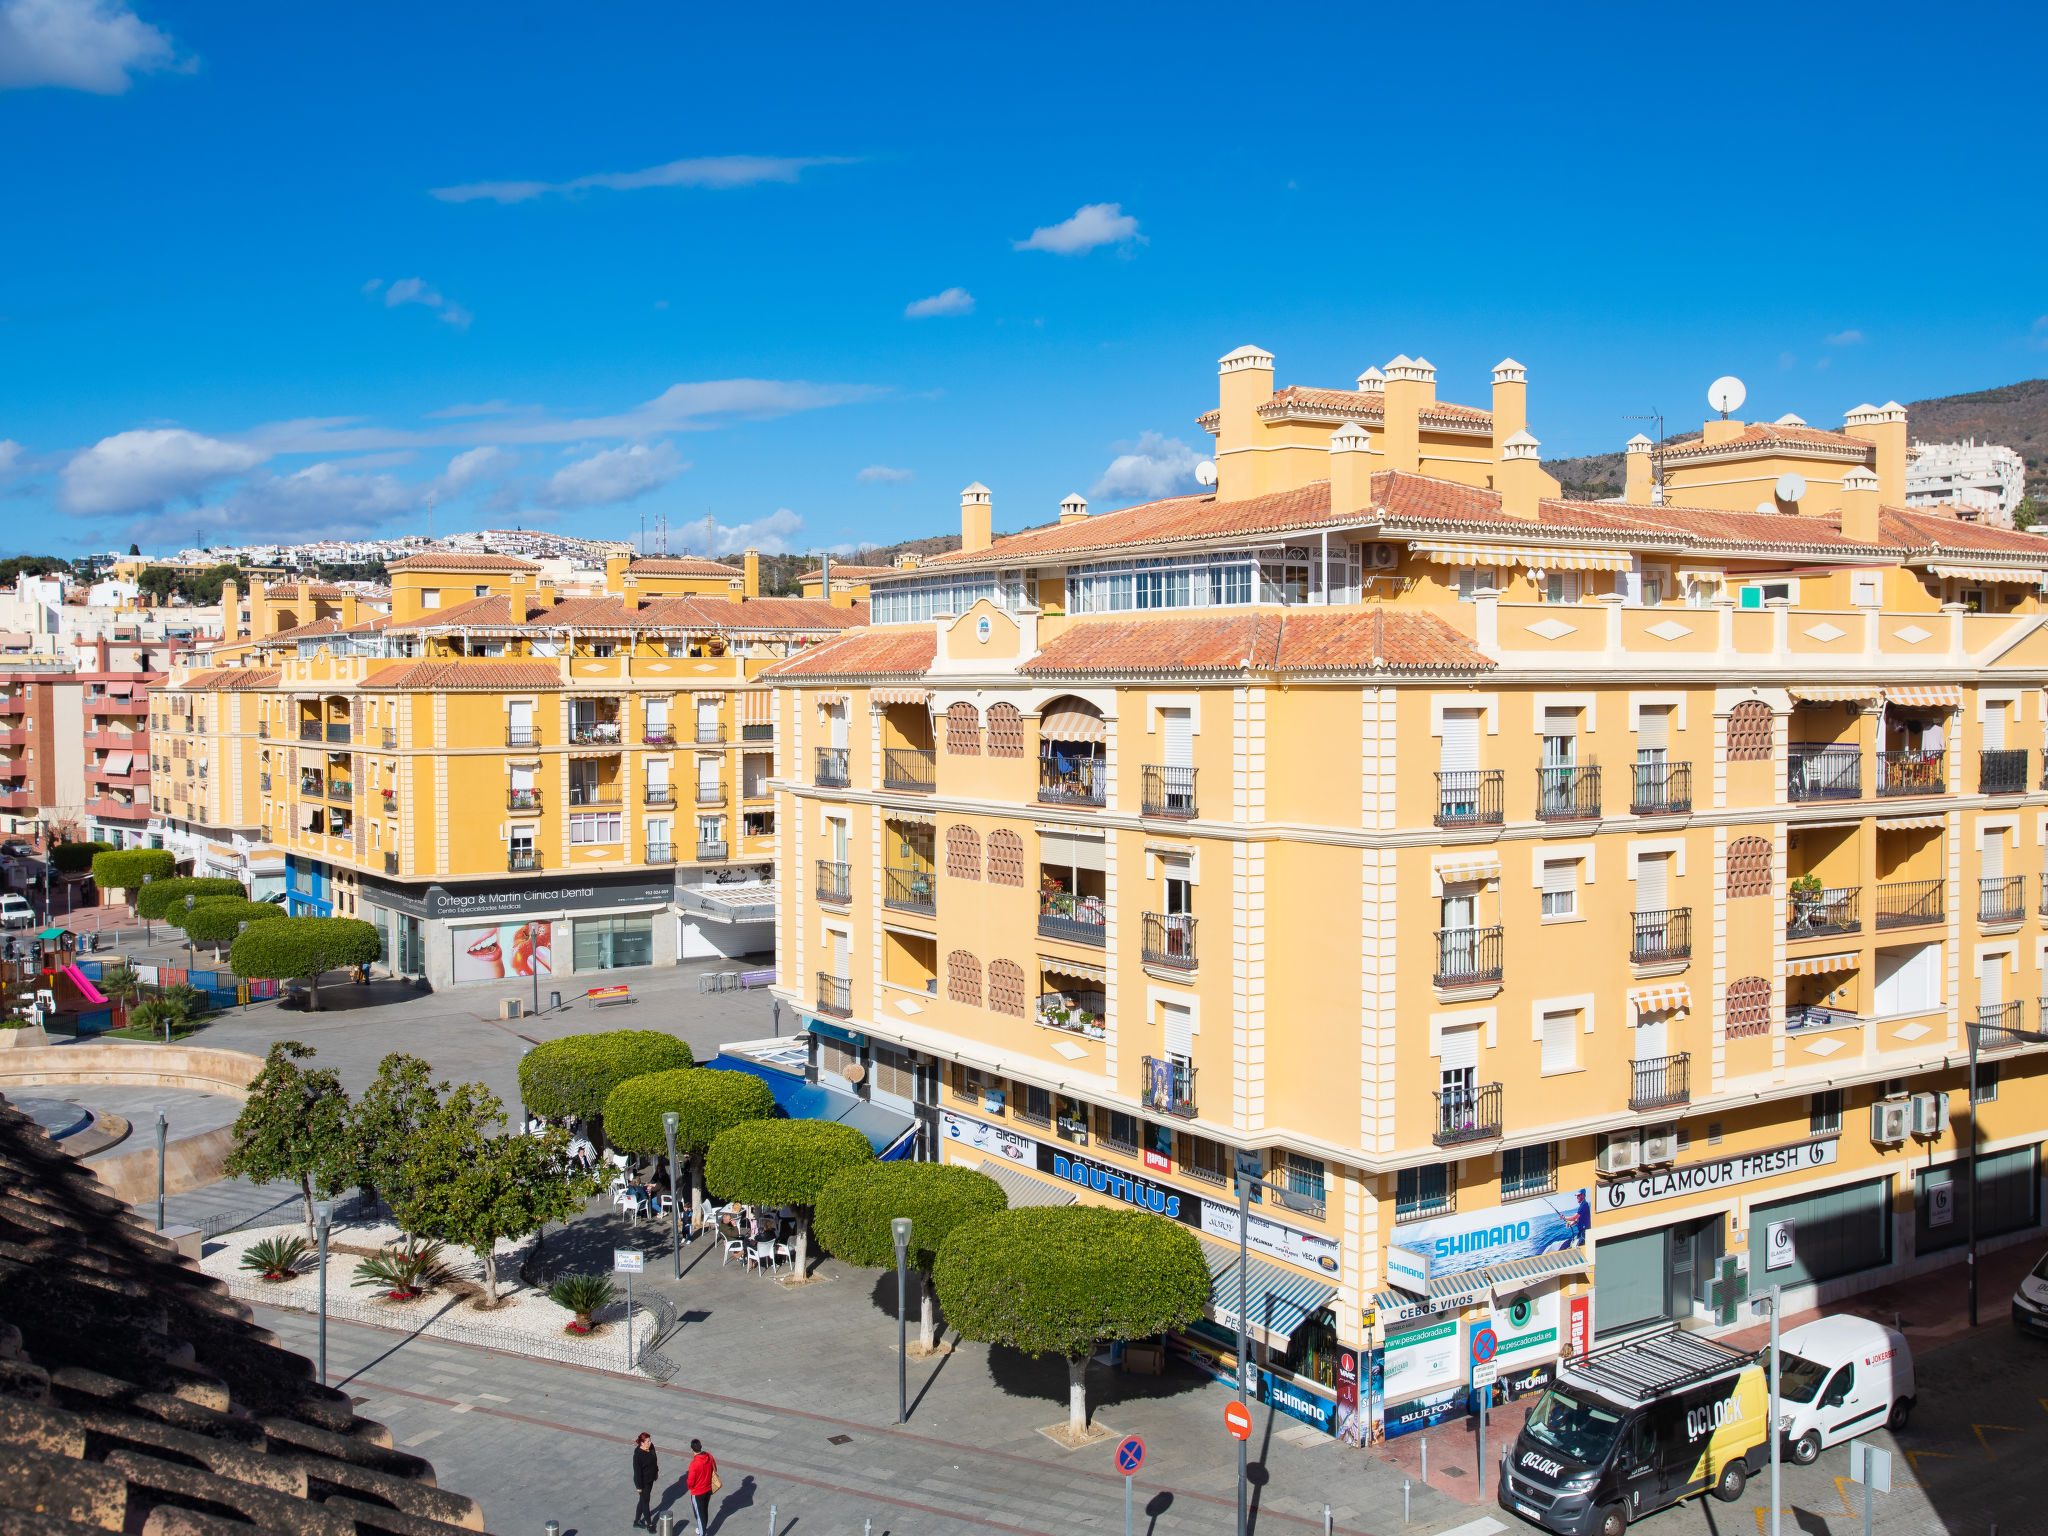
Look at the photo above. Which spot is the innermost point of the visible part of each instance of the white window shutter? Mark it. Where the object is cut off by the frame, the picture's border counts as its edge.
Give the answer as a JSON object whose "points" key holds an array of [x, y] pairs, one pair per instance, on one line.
{"points": [[1560, 1041], [1461, 1049], [1460, 752], [1652, 893]]}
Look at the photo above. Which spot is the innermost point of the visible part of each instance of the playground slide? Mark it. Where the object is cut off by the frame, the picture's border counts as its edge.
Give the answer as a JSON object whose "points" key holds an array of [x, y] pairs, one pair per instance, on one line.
{"points": [[86, 989]]}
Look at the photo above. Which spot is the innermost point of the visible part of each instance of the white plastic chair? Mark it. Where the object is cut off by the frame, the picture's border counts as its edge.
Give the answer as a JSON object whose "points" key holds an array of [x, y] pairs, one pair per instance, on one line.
{"points": [[733, 1246]]}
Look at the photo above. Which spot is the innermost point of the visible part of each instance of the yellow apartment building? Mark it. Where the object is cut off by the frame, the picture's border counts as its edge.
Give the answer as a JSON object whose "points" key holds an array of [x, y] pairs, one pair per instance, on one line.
{"points": [[508, 783], [1559, 899]]}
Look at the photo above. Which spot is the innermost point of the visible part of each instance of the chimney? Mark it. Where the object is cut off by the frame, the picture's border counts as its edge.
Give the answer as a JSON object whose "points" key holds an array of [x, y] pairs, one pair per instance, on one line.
{"points": [[977, 519], [615, 568], [1411, 385], [753, 588], [1244, 383], [1510, 402], [230, 611], [629, 590], [348, 608], [1350, 470], [1520, 476], [1372, 382], [1074, 509], [1721, 430], [1884, 427], [736, 589], [825, 579], [1641, 472], [262, 618], [543, 598], [1861, 496]]}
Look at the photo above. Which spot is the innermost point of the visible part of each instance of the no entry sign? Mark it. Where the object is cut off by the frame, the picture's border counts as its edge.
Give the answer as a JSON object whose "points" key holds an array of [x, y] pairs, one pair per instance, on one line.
{"points": [[1238, 1420]]}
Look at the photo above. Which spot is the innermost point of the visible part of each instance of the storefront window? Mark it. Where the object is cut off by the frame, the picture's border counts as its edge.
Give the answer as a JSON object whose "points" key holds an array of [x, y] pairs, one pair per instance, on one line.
{"points": [[1312, 1351], [614, 943], [2008, 1199], [1836, 1232], [412, 947]]}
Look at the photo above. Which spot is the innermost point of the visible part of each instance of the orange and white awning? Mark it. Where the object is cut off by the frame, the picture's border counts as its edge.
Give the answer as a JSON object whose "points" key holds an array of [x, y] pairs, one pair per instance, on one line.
{"points": [[1907, 823], [828, 700], [1822, 965], [2025, 575], [1536, 559], [1660, 999], [1457, 870], [1836, 693], [1926, 696], [900, 695]]}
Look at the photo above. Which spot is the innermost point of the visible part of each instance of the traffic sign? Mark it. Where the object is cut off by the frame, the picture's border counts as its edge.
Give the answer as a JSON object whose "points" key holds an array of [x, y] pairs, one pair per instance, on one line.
{"points": [[1486, 1375], [1130, 1454], [1484, 1343], [1238, 1420]]}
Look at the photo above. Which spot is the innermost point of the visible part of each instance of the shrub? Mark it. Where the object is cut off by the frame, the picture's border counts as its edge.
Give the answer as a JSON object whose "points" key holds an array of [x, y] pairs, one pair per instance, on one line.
{"points": [[403, 1273], [120, 983], [159, 1015], [784, 1162], [856, 1208], [576, 1074], [304, 946], [128, 869], [582, 1295], [163, 901], [76, 858], [276, 1258], [216, 920], [707, 1101]]}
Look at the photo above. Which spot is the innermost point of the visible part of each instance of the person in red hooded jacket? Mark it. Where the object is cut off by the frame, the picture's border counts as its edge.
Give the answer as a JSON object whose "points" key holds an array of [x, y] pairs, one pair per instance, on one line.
{"points": [[702, 1480]]}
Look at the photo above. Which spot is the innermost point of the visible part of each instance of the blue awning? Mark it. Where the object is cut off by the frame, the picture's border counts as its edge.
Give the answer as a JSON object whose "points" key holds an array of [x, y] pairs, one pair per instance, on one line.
{"points": [[799, 1100], [1277, 1300]]}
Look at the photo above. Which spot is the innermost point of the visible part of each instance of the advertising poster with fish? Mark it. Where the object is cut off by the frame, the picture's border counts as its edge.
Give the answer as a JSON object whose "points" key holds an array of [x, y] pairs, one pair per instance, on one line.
{"points": [[504, 949], [1480, 1239]]}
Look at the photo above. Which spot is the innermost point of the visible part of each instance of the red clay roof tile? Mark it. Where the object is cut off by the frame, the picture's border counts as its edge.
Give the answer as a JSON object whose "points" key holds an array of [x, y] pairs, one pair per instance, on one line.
{"points": [[891, 652], [1349, 640]]}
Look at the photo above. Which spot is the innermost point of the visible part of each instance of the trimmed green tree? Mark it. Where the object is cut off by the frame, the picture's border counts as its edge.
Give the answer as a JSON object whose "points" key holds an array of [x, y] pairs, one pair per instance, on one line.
{"points": [[784, 1162], [293, 947], [707, 1102], [386, 1123], [291, 1127], [76, 858], [128, 869], [574, 1075], [465, 1185], [855, 1211], [163, 901], [1058, 1280], [218, 920]]}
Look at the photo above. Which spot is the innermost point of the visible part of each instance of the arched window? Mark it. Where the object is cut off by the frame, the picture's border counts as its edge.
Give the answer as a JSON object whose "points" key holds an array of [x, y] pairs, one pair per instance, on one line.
{"points": [[963, 730], [1749, 1007], [1005, 858], [1006, 987], [1005, 731], [1071, 736], [963, 978], [1749, 867], [1749, 732], [963, 853]]}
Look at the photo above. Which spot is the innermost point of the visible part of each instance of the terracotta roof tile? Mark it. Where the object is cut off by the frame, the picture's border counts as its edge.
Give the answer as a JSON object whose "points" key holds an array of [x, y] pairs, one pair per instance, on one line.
{"points": [[851, 572], [1764, 434], [891, 652], [681, 565], [1372, 639], [1922, 530], [233, 679], [436, 561], [1357, 405], [487, 676]]}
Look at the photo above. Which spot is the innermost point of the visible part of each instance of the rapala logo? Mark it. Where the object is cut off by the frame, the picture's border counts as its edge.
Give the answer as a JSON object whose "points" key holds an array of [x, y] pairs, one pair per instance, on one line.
{"points": [[1704, 1421], [1542, 1464]]}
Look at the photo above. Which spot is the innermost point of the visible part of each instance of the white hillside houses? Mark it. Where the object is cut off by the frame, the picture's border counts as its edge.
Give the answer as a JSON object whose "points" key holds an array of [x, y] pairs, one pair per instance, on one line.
{"points": [[1983, 481]]}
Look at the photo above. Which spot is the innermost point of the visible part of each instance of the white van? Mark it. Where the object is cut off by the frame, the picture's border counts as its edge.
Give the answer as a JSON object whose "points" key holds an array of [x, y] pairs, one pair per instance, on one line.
{"points": [[1841, 1377], [16, 913]]}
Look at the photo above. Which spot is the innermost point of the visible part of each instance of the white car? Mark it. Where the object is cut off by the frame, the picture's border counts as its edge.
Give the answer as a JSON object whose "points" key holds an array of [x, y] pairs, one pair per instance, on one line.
{"points": [[1840, 1377], [2030, 1301], [15, 912]]}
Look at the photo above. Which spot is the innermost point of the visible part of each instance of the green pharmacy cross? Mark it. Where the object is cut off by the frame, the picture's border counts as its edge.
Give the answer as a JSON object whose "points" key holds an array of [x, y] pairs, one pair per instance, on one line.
{"points": [[1729, 1291]]}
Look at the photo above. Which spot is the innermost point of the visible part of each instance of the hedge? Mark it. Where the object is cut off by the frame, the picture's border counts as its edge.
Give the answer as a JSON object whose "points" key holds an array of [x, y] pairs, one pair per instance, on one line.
{"points": [[163, 901], [857, 1206], [129, 868], [77, 858], [707, 1102], [291, 947], [219, 920], [576, 1074]]}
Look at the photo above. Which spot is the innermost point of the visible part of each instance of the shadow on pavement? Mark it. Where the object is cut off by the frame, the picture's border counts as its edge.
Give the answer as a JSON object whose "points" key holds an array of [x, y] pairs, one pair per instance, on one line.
{"points": [[341, 996], [1045, 1376]]}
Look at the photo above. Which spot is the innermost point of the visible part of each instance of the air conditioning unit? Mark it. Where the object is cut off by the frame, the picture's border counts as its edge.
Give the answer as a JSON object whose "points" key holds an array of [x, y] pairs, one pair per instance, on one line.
{"points": [[1618, 1153], [1382, 557], [1660, 1145], [1890, 1121], [1930, 1114]]}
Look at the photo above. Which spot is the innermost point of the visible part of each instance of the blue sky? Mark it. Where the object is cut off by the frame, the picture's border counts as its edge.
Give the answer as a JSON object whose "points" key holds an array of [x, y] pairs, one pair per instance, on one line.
{"points": [[280, 271]]}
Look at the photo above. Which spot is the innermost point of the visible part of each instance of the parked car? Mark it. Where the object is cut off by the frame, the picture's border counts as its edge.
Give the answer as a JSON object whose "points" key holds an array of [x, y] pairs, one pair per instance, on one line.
{"points": [[1840, 1377], [2030, 1301], [15, 912]]}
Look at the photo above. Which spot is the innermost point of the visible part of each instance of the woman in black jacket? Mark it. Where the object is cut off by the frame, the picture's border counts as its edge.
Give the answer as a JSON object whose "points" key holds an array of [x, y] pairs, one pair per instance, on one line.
{"points": [[646, 1469]]}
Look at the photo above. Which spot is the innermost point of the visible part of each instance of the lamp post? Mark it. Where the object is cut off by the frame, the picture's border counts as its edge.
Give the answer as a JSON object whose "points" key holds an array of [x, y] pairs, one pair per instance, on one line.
{"points": [[520, 1087], [148, 927], [1250, 1166], [669, 1121], [323, 1218], [1771, 1304], [899, 1228], [163, 1125], [240, 928]]}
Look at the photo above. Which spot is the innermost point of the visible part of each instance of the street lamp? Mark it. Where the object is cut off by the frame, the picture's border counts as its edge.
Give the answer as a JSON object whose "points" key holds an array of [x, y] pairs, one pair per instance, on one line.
{"points": [[240, 928], [1250, 1167], [163, 1125], [1772, 1305], [323, 1218], [899, 1228], [148, 927], [519, 1086], [669, 1121]]}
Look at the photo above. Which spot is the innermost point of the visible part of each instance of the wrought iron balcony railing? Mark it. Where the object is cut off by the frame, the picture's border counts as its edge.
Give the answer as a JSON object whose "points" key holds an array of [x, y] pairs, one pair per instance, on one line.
{"points": [[1568, 794], [1466, 1114], [1659, 1082], [1823, 773], [1661, 936], [1170, 940], [1909, 903], [1169, 791], [1660, 789], [1469, 797], [1468, 956]]}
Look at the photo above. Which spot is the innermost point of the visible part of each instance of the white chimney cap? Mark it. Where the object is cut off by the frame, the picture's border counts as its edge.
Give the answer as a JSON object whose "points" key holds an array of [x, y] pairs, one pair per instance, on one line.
{"points": [[1860, 478], [1640, 444], [1789, 420], [1351, 438], [975, 492], [1244, 357], [1521, 446], [1508, 371], [1893, 411], [1372, 382], [1399, 362], [1862, 414], [1074, 501]]}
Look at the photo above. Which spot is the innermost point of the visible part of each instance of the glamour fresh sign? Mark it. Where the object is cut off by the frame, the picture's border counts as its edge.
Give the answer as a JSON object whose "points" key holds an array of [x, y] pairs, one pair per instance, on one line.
{"points": [[1697, 1178]]}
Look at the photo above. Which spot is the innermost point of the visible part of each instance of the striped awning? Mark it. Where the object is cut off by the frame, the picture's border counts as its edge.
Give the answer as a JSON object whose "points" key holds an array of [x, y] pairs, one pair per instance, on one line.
{"points": [[1454, 870], [1517, 1273], [1535, 559], [1021, 1187], [1448, 1291], [1990, 573], [1836, 693], [1078, 969], [117, 762], [912, 818], [1672, 994], [755, 705], [900, 695], [716, 700], [1926, 696], [1070, 720], [1907, 823], [827, 700], [1821, 965], [1276, 1301]]}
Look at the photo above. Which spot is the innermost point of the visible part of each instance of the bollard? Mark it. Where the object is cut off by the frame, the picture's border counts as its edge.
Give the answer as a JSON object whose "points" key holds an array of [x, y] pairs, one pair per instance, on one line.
{"points": [[1425, 1459], [1405, 1486], [666, 1525], [553, 1528], [771, 1520], [1327, 1525]]}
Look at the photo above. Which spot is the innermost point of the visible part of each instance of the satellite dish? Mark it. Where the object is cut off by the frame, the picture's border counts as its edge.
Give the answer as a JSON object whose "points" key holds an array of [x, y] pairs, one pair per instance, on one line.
{"points": [[1726, 394], [1790, 487], [1767, 508], [1205, 472]]}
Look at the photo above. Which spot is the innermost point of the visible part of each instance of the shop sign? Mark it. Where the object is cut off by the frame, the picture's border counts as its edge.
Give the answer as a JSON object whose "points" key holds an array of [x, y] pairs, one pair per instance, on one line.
{"points": [[1297, 1402], [983, 1137], [1527, 1322], [1350, 1423], [1424, 1357], [1104, 1180], [1530, 1378], [1779, 1249], [1311, 1250], [1482, 1239], [513, 899], [1425, 1412], [1409, 1269], [1700, 1178], [1941, 1204], [1581, 1335]]}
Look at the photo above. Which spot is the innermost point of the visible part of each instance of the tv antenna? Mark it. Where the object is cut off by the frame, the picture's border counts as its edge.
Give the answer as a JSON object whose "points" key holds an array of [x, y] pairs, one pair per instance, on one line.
{"points": [[430, 517], [1726, 394]]}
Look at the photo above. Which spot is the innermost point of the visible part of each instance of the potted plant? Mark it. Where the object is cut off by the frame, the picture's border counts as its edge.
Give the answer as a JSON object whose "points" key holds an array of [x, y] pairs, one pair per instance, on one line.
{"points": [[276, 1259], [1806, 888], [581, 1295]]}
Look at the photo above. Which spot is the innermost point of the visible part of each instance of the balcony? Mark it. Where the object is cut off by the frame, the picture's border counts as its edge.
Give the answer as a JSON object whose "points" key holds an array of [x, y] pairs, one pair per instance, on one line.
{"points": [[710, 794], [263, 782], [835, 995], [1909, 903], [1169, 1087], [108, 805], [596, 794], [1170, 940], [311, 786], [1911, 773], [1466, 1114], [1467, 957], [15, 800], [1169, 792], [390, 803], [1660, 1082], [17, 737], [1661, 789], [710, 853], [910, 890], [1823, 773], [910, 768], [710, 733], [2000, 1026], [1830, 910], [337, 735], [832, 771], [522, 860], [390, 738], [390, 863], [263, 730], [835, 884], [1658, 937], [522, 800], [2002, 899], [309, 730], [1070, 780], [658, 736], [1078, 921], [659, 853], [757, 733], [1568, 794], [2002, 772], [659, 794], [588, 730], [340, 789], [516, 737]]}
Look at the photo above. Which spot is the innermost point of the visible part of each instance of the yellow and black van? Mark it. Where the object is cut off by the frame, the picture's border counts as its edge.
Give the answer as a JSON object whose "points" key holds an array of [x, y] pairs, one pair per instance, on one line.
{"points": [[1634, 1427]]}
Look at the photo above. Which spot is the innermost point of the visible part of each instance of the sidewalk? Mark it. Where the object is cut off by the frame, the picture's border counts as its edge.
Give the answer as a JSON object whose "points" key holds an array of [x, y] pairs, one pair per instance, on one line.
{"points": [[1931, 1310]]}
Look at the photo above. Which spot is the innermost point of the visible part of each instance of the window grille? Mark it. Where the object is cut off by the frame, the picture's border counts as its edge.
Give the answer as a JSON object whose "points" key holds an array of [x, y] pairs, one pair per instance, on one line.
{"points": [[1749, 1007], [1005, 731], [1749, 867], [1749, 732], [1005, 858], [963, 853], [963, 730], [963, 978], [1006, 987]]}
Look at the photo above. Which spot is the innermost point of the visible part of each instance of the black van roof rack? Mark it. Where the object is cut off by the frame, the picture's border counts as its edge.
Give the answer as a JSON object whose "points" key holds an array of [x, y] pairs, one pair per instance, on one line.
{"points": [[1657, 1364]]}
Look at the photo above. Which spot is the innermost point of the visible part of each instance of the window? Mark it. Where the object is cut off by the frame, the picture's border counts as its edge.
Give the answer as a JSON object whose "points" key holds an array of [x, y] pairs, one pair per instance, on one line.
{"points": [[1561, 888], [963, 730], [1749, 729], [1559, 587], [1472, 579], [1561, 1040], [1430, 1190], [1825, 1116], [601, 827], [613, 943], [1908, 980], [1527, 1171], [1005, 856], [1304, 1176], [963, 978], [913, 601], [1005, 731], [1006, 988], [1749, 867], [479, 590], [430, 597], [1749, 1007], [1987, 1082], [1759, 593], [963, 853]]}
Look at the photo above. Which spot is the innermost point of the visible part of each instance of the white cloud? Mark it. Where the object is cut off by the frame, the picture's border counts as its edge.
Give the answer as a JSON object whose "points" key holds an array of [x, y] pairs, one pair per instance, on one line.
{"points": [[882, 474], [775, 534], [131, 471], [954, 301], [414, 290], [319, 498], [468, 469], [1845, 338], [717, 172], [611, 476], [1152, 467], [83, 45], [10, 454], [1092, 225]]}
